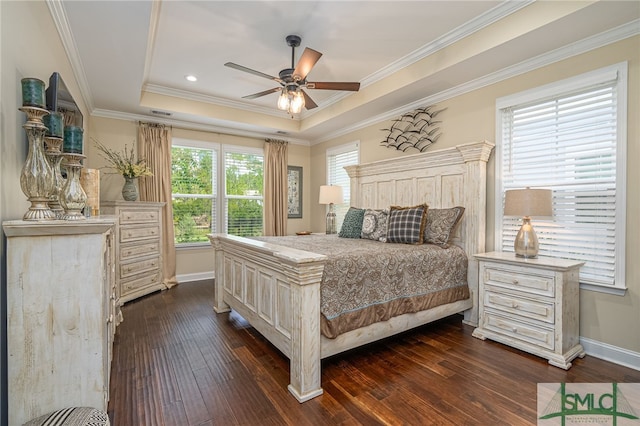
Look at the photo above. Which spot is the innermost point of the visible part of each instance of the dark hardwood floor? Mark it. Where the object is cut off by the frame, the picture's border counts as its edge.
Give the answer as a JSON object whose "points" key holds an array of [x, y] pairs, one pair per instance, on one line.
{"points": [[176, 362]]}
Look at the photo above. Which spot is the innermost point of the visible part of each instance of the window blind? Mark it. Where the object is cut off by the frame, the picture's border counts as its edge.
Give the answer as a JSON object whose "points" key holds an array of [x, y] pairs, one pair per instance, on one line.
{"points": [[567, 144], [336, 175]]}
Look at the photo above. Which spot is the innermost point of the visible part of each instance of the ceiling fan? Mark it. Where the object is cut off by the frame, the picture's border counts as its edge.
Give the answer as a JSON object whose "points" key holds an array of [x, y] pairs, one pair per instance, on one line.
{"points": [[293, 80]]}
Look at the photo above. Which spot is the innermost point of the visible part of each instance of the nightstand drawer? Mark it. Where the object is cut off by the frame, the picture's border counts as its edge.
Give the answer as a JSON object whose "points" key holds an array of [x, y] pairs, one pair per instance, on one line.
{"points": [[534, 309], [133, 268], [132, 251], [128, 233], [521, 279], [529, 333], [139, 216]]}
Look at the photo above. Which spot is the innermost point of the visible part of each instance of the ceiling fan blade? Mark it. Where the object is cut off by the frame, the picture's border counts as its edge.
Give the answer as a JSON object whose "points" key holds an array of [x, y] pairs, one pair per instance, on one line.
{"points": [[307, 61], [308, 102], [259, 94], [254, 72], [323, 85]]}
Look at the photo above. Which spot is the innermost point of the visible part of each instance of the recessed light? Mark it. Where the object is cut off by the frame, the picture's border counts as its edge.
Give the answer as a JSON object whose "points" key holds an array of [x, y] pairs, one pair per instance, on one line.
{"points": [[191, 78]]}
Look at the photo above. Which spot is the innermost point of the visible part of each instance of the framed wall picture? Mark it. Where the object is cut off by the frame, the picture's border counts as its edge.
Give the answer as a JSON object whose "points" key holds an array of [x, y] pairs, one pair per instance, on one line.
{"points": [[294, 198]]}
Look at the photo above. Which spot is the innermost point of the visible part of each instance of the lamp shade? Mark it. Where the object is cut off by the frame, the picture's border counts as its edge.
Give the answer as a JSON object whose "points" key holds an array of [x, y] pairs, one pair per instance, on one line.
{"points": [[528, 202], [330, 194]]}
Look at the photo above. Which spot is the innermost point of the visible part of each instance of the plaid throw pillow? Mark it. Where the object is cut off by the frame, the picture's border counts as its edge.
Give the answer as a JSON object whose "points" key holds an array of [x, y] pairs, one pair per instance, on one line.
{"points": [[406, 224]]}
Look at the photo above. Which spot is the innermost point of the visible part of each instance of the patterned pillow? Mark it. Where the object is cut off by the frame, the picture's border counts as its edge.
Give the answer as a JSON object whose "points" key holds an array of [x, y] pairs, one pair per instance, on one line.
{"points": [[440, 225], [352, 224], [406, 224], [374, 225], [72, 416]]}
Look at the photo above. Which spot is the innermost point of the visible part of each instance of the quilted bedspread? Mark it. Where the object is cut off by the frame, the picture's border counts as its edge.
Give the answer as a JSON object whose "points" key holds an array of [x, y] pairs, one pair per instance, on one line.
{"points": [[367, 281]]}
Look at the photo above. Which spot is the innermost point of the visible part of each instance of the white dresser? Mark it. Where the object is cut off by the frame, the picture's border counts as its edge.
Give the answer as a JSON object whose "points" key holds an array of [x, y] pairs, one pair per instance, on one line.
{"points": [[531, 304], [138, 247], [61, 311]]}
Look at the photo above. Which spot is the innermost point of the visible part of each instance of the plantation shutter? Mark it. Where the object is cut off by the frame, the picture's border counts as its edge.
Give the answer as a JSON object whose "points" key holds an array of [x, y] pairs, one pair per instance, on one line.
{"points": [[567, 144], [337, 175]]}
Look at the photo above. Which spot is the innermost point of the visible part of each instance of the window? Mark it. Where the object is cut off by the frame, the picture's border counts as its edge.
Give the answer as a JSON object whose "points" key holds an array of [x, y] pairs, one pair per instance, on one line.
{"points": [[337, 158], [194, 190], [570, 137], [243, 195], [215, 189]]}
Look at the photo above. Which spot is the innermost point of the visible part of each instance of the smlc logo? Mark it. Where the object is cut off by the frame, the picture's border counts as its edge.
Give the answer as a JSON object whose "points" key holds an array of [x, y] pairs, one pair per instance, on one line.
{"points": [[588, 403]]}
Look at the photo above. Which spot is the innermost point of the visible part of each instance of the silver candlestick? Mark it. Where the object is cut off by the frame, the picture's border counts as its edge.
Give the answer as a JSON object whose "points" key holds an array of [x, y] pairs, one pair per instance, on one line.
{"points": [[36, 178]]}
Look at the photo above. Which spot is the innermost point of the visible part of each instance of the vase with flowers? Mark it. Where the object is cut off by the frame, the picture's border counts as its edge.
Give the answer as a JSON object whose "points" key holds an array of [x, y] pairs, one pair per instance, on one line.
{"points": [[126, 165]]}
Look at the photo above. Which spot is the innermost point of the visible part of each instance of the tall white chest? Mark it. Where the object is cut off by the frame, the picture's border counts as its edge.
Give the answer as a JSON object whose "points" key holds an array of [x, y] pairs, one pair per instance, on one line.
{"points": [[138, 247]]}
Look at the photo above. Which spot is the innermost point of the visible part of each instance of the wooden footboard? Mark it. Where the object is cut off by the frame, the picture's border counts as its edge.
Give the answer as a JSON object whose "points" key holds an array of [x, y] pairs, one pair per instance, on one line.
{"points": [[276, 289]]}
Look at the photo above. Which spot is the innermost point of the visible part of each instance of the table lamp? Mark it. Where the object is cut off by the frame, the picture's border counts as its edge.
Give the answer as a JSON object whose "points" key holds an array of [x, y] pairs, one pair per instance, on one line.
{"points": [[331, 194], [527, 202]]}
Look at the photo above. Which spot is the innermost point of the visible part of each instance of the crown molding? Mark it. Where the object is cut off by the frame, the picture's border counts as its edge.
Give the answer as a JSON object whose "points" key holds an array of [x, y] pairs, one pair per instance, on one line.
{"points": [[59, 16], [622, 32], [499, 12], [188, 125]]}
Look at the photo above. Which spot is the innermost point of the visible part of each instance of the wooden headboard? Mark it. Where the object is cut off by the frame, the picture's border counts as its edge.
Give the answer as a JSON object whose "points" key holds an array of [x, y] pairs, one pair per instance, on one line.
{"points": [[441, 178]]}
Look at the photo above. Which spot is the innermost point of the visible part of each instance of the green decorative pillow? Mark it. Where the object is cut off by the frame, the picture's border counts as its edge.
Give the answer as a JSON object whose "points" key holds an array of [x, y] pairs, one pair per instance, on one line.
{"points": [[72, 416], [374, 225], [406, 224], [352, 224], [441, 224]]}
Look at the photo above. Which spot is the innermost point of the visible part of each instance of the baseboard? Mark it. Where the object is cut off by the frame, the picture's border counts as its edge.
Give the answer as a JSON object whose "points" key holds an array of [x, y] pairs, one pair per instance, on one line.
{"points": [[611, 353], [198, 276]]}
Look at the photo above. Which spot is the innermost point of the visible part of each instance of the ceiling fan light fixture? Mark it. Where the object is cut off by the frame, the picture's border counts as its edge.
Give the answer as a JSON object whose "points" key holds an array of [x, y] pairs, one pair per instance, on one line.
{"points": [[297, 103], [283, 100]]}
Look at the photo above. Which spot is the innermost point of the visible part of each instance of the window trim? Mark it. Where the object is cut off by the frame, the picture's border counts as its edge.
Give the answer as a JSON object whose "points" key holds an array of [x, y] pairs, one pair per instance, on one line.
{"points": [[618, 72]]}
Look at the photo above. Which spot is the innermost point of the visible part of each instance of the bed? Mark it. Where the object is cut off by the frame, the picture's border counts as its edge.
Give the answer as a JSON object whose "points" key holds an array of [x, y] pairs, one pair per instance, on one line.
{"points": [[277, 289]]}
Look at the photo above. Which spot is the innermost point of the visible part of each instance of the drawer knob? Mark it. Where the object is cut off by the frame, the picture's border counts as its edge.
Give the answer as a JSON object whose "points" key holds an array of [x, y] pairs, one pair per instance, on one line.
{"points": [[514, 305], [514, 329], [515, 282]]}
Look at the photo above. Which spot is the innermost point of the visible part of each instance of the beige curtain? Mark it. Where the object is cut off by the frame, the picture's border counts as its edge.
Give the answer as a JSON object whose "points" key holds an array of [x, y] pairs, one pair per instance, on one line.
{"points": [[275, 187], [154, 145]]}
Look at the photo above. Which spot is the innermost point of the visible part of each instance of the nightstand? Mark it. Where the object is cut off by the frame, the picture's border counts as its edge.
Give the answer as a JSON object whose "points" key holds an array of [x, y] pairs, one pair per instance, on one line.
{"points": [[531, 304]]}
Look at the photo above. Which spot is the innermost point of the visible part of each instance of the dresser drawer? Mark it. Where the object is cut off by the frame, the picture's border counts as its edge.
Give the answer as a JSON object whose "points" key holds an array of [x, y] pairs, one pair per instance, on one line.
{"points": [[140, 282], [520, 279], [130, 251], [137, 233], [139, 216], [529, 333], [534, 309], [137, 267]]}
